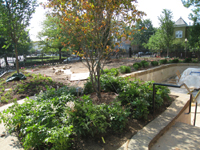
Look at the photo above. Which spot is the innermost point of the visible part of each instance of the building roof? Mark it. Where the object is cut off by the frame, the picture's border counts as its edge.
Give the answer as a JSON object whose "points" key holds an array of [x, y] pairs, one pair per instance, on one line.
{"points": [[180, 22]]}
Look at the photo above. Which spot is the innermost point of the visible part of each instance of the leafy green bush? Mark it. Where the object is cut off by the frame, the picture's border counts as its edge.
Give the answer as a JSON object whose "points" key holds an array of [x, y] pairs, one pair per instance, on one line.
{"points": [[112, 71], [88, 88], [137, 65], [194, 61], [154, 63], [125, 69], [175, 60], [187, 60], [144, 63], [112, 84], [41, 122], [163, 61]]}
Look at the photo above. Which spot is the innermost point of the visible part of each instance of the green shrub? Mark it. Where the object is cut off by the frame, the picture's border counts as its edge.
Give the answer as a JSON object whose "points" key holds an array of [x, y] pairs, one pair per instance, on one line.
{"points": [[145, 64], [136, 67], [163, 61], [88, 119], [112, 71], [125, 69], [88, 88], [175, 60], [112, 84], [187, 60], [154, 63], [194, 61]]}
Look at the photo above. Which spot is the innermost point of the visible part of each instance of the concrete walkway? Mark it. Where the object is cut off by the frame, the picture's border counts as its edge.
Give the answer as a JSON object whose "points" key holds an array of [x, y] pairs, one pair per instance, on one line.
{"points": [[9, 141]]}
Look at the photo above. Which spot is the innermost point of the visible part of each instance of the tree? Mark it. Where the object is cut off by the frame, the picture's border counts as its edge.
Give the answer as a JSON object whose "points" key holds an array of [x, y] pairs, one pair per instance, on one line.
{"points": [[195, 4], [167, 28], [52, 35], [5, 51], [142, 36], [194, 39], [15, 16], [91, 23], [156, 42]]}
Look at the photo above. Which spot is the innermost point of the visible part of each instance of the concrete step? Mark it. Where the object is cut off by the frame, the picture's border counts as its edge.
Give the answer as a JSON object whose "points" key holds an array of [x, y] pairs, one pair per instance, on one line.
{"points": [[180, 136]]}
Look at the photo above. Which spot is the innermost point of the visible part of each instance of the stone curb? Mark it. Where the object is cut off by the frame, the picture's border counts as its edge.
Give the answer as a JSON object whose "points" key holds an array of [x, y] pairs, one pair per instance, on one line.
{"points": [[144, 138]]}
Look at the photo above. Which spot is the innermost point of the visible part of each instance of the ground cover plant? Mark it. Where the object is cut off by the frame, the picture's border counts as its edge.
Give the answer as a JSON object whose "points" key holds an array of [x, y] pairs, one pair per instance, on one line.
{"points": [[16, 90], [58, 119]]}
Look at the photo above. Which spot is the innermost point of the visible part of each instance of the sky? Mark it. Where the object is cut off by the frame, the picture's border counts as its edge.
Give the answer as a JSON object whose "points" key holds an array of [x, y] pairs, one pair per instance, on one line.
{"points": [[153, 9]]}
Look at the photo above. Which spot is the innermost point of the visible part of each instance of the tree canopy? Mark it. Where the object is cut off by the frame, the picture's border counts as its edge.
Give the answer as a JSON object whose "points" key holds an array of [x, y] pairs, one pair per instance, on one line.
{"points": [[195, 5], [142, 32], [92, 24], [14, 17]]}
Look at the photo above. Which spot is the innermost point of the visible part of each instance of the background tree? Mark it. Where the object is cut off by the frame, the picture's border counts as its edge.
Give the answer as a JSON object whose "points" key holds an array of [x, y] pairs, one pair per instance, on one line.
{"points": [[15, 16], [141, 36], [167, 28], [194, 39], [52, 36], [92, 25], [195, 5], [5, 51], [156, 42]]}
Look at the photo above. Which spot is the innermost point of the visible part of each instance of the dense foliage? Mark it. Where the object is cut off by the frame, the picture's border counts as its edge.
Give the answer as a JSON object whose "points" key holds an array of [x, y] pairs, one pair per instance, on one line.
{"points": [[57, 117]]}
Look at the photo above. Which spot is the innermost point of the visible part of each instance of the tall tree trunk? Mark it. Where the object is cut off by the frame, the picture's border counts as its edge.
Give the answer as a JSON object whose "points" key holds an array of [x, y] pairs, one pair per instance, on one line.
{"points": [[16, 56], [6, 61], [60, 61]]}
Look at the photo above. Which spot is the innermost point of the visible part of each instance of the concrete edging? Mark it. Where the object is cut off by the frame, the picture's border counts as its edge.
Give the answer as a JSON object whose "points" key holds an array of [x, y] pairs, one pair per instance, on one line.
{"points": [[146, 137]]}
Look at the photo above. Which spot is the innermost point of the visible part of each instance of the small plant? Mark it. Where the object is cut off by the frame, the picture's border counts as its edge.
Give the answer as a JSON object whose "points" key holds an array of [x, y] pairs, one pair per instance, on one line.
{"points": [[138, 65], [112, 72], [175, 60], [187, 60], [163, 61], [144, 63], [125, 69], [88, 88], [154, 63]]}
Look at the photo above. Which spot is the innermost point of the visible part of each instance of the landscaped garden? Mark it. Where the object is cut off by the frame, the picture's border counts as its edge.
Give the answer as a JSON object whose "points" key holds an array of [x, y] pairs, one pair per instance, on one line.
{"points": [[60, 119]]}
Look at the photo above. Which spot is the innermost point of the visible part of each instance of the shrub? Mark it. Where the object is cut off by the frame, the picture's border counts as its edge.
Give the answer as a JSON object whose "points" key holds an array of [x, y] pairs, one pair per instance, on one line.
{"points": [[88, 88], [112, 72], [145, 64], [195, 61], [125, 69], [137, 65], [187, 60], [175, 60], [154, 63], [112, 84], [88, 119], [163, 61]]}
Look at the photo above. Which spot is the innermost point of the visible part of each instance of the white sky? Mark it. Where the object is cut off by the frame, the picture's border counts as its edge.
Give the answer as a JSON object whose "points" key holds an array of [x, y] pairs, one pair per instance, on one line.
{"points": [[153, 9]]}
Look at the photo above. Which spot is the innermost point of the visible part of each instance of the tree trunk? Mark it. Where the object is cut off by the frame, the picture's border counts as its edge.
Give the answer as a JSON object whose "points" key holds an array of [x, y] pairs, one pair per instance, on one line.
{"points": [[167, 52], [98, 80], [6, 61], [60, 61], [16, 56]]}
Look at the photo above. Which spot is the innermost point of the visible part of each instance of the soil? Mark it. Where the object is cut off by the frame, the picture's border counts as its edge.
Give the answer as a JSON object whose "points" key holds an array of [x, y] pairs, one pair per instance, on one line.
{"points": [[79, 67]]}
